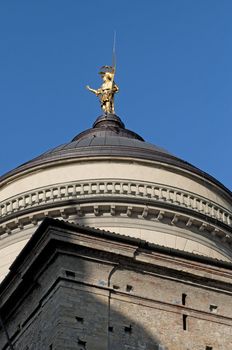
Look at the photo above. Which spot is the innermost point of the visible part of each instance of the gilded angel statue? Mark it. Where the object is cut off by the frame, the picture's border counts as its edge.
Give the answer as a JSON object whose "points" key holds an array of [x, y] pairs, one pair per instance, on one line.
{"points": [[108, 89]]}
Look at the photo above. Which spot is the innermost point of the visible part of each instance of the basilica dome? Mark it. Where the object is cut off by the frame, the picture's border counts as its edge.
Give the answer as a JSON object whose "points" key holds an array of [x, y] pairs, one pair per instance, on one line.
{"points": [[108, 177]]}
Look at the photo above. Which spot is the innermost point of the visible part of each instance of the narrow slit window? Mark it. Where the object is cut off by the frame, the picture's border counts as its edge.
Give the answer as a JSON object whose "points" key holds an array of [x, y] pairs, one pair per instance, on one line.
{"points": [[185, 322], [184, 296], [129, 288]]}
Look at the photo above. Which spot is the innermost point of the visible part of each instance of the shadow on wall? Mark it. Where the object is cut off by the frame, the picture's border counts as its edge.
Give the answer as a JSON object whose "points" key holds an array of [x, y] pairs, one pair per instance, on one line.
{"points": [[71, 307], [99, 319]]}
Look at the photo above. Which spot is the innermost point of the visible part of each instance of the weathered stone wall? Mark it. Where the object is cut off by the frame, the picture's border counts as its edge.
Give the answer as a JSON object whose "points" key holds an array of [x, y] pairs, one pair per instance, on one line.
{"points": [[85, 289], [72, 307]]}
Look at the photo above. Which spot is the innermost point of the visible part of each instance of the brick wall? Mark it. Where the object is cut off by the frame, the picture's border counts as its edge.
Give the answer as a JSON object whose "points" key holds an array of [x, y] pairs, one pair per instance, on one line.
{"points": [[92, 300]]}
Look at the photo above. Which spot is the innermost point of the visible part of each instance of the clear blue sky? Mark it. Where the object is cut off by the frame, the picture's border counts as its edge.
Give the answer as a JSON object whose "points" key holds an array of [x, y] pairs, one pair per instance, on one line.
{"points": [[174, 69]]}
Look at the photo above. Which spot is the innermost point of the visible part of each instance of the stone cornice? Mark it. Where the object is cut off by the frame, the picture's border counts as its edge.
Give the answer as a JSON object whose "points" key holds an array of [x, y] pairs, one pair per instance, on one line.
{"points": [[99, 241], [122, 199], [91, 190]]}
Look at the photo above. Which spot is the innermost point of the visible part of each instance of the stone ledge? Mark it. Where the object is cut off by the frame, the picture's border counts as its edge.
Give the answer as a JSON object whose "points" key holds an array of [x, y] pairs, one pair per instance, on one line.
{"points": [[155, 193]]}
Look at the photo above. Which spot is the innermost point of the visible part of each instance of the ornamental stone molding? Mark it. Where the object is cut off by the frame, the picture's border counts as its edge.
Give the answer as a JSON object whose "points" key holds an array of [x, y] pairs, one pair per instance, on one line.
{"points": [[153, 194], [133, 201]]}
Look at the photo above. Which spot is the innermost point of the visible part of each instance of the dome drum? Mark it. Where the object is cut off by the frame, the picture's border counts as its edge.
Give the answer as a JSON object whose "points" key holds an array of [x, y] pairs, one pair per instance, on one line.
{"points": [[107, 177]]}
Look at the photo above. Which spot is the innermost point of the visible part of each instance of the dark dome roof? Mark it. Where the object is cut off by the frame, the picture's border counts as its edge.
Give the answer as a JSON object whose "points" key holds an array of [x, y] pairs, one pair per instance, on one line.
{"points": [[109, 138]]}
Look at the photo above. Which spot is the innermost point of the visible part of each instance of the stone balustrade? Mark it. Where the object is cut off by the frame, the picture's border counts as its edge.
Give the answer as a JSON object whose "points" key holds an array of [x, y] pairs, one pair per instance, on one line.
{"points": [[156, 193]]}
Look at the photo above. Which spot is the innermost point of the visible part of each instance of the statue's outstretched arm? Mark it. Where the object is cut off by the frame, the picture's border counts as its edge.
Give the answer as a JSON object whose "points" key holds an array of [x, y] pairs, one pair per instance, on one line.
{"points": [[92, 90]]}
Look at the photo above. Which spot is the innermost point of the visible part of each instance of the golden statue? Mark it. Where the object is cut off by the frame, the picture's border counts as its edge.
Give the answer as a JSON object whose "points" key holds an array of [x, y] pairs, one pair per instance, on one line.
{"points": [[108, 89]]}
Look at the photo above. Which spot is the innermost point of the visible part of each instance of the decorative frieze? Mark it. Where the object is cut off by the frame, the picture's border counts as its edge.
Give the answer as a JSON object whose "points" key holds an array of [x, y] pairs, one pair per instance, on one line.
{"points": [[154, 193]]}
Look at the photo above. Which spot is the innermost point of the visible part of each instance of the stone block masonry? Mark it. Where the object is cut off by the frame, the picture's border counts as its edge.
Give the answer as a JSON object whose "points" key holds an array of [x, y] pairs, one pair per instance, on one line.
{"points": [[79, 288]]}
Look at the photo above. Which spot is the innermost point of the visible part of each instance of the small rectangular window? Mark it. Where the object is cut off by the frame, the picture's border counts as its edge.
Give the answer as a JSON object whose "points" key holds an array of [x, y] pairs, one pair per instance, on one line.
{"points": [[128, 329], [80, 319], [213, 308], [184, 296], [185, 322], [115, 286], [129, 288], [208, 348], [82, 342]]}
